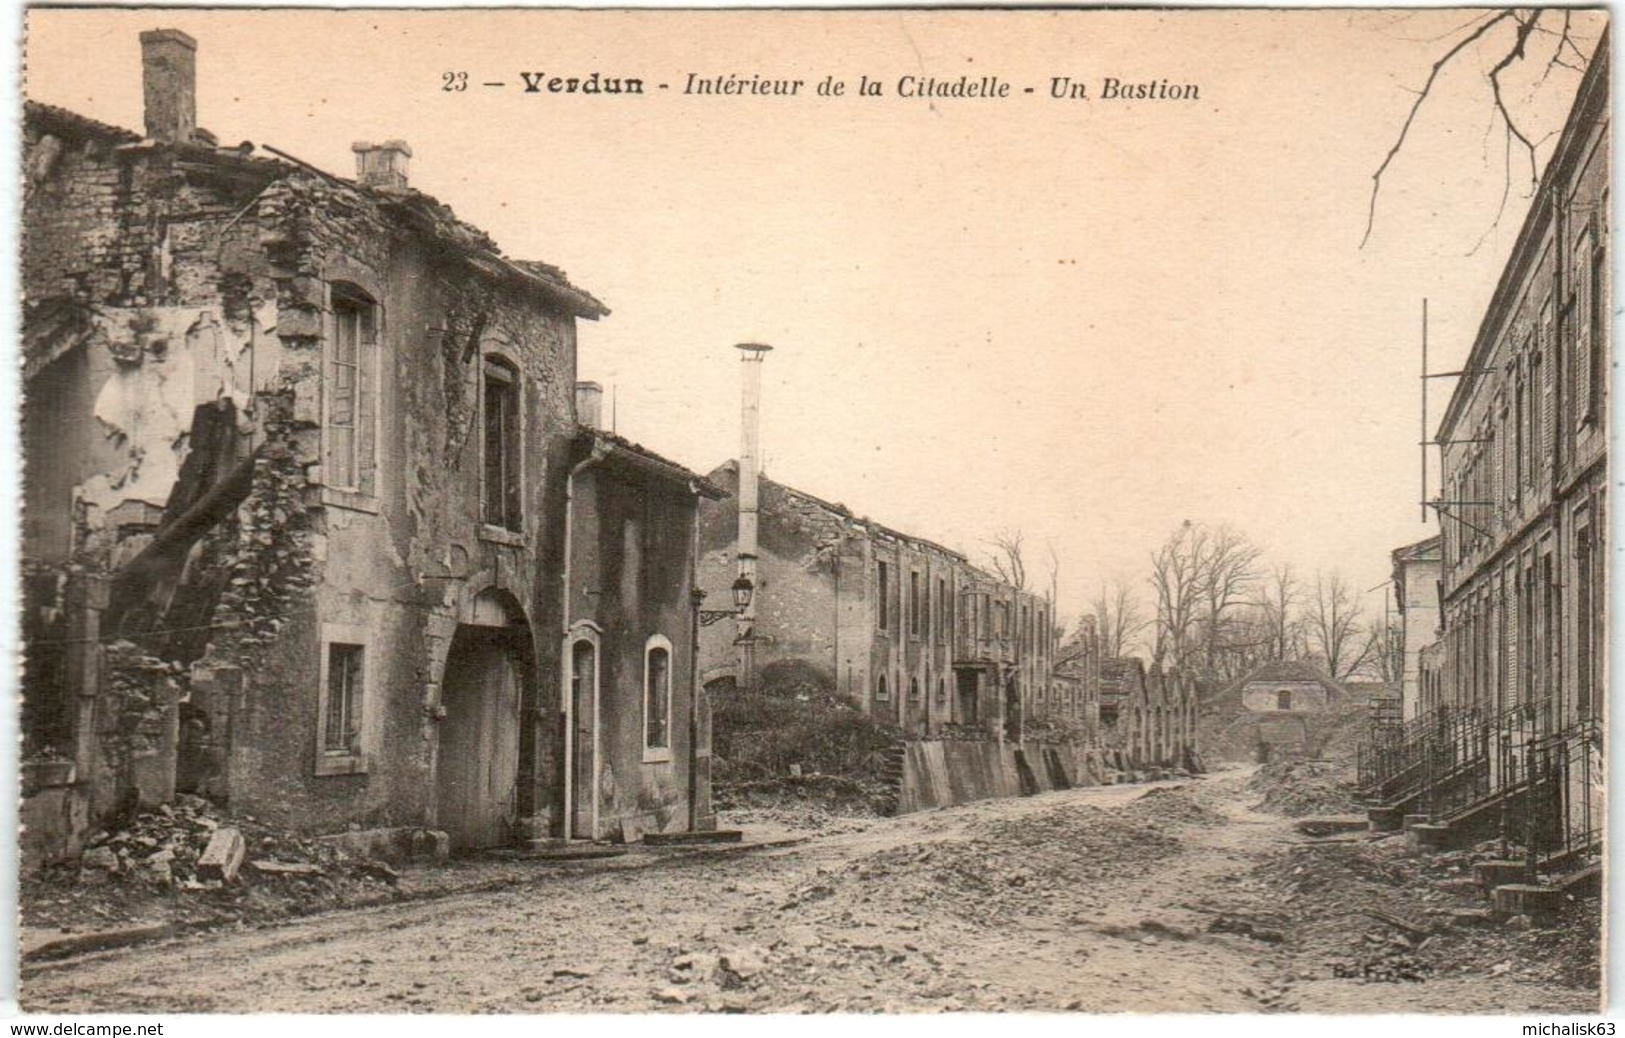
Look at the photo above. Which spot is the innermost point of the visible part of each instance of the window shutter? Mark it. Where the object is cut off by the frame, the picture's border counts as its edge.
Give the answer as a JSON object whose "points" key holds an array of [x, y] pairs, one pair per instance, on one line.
{"points": [[515, 480], [367, 402]]}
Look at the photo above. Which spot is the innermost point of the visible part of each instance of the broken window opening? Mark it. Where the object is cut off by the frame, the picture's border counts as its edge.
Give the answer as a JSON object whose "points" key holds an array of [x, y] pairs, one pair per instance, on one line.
{"points": [[883, 595], [502, 475]]}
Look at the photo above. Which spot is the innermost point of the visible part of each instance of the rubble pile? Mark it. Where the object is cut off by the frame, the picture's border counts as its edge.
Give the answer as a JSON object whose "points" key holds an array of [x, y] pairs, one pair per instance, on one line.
{"points": [[795, 816], [1017, 868], [184, 862], [1386, 968], [808, 796], [1173, 804], [1298, 789], [1372, 910]]}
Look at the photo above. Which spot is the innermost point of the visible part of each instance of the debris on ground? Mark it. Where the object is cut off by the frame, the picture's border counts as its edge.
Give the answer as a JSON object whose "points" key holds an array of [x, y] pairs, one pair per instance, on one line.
{"points": [[1378, 911], [1389, 968], [1298, 789], [1173, 804], [187, 863]]}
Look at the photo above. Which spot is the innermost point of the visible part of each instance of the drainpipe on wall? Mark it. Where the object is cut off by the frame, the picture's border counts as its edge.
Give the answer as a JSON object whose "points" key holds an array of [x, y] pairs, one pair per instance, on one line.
{"points": [[599, 453], [696, 598]]}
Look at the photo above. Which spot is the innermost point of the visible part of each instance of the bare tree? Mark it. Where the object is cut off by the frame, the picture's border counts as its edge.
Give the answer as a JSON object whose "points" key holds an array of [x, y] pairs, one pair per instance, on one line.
{"points": [[1333, 623], [1229, 571], [1006, 558], [1202, 578], [1176, 577], [1282, 628], [1119, 618], [1499, 40], [1384, 653]]}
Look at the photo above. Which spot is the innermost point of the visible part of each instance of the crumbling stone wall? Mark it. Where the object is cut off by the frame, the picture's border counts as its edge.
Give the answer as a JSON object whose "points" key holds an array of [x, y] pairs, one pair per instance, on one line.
{"points": [[161, 278]]}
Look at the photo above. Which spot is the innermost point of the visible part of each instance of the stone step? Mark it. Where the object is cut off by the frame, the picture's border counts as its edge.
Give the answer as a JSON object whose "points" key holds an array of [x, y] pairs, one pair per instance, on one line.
{"points": [[1498, 873], [692, 839]]}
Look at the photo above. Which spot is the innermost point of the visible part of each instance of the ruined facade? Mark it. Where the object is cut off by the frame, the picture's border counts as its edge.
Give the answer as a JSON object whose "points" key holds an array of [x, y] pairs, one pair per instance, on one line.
{"points": [[1148, 717], [908, 630], [298, 451]]}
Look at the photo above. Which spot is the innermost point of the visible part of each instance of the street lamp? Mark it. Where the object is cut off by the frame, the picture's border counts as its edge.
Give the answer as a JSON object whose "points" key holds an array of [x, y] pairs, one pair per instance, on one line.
{"points": [[742, 589]]}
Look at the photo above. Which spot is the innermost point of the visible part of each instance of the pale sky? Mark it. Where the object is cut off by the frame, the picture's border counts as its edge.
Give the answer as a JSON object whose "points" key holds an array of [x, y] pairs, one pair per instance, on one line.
{"points": [[1088, 320]]}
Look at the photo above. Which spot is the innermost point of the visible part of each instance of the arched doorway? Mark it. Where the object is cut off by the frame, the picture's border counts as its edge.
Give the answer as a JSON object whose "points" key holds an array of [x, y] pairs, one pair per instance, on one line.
{"points": [[478, 760], [582, 660]]}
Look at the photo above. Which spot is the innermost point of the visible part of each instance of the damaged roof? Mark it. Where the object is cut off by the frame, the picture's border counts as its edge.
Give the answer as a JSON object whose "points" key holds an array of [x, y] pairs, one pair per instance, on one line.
{"points": [[846, 514], [63, 122], [1285, 671], [414, 209], [647, 460]]}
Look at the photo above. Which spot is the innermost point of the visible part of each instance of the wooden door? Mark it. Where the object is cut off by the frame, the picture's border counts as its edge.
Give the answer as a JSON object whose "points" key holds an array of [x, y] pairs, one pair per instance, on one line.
{"points": [[478, 763], [583, 719]]}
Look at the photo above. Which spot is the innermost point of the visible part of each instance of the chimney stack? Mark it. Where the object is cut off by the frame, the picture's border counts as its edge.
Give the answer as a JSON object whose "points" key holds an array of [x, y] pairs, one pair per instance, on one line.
{"points": [[751, 355], [590, 405], [169, 84], [381, 165]]}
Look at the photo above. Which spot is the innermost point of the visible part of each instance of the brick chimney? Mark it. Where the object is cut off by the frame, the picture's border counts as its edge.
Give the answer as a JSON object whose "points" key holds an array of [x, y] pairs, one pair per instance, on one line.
{"points": [[381, 165], [169, 84], [590, 405]]}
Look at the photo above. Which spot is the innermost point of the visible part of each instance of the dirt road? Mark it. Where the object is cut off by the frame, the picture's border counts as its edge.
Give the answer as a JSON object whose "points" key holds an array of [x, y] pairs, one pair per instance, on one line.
{"points": [[1098, 900]]}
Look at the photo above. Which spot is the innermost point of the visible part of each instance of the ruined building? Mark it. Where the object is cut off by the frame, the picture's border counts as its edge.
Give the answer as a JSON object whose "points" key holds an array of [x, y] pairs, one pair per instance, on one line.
{"points": [[1508, 741], [1284, 710], [907, 629], [962, 663], [1148, 719], [304, 479]]}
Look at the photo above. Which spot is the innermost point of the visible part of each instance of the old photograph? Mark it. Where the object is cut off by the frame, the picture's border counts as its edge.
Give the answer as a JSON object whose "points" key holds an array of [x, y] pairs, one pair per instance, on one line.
{"points": [[1064, 511]]}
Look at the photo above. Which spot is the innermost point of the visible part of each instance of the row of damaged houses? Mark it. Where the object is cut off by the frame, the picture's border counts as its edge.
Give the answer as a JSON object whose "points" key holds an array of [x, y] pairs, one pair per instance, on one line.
{"points": [[966, 665], [320, 524], [1504, 613]]}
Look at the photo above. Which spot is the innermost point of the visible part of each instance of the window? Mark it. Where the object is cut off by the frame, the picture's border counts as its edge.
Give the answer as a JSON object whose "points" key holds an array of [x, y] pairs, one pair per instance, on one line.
{"points": [[342, 732], [1585, 633], [657, 699], [1597, 356], [351, 391], [882, 693], [945, 620], [501, 446], [1519, 433], [1283, 699], [882, 595], [1537, 418], [341, 702], [916, 605], [914, 690]]}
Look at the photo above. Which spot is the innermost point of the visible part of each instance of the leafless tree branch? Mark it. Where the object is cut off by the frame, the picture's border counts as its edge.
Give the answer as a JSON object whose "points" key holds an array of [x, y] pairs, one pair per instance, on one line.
{"points": [[1416, 106]]}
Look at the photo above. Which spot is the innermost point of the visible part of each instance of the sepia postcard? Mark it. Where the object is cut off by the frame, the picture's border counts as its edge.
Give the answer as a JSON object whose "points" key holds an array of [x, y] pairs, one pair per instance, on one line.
{"points": [[813, 511]]}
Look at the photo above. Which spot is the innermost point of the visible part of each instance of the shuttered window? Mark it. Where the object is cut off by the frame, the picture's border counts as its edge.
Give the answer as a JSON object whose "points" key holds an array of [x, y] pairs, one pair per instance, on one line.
{"points": [[502, 479], [352, 391]]}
